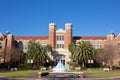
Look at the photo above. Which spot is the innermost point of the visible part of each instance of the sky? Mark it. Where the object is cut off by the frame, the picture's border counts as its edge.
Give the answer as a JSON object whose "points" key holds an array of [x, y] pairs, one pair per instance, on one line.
{"points": [[32, 17]]}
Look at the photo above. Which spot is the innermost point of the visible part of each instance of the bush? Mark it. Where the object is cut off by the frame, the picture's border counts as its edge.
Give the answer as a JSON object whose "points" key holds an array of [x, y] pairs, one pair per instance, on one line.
{"points": [[84, 68], [24, 67], [73, 64], [95, 69], [72, 67], [115, 67], [43, 68], [2, 65]]}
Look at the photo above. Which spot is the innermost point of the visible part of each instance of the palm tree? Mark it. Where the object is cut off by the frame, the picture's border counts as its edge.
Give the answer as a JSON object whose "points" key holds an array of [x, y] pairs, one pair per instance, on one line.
{"points": [[83, 52], [37, 52], [72, 47], [48, 48]]}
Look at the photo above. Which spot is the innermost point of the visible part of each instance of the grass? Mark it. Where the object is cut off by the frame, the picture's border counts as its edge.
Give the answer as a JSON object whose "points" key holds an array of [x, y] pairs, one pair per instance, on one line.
{"points": [[104, 74], [98, 72], [101, 74], [90, 72], [19, 74]]}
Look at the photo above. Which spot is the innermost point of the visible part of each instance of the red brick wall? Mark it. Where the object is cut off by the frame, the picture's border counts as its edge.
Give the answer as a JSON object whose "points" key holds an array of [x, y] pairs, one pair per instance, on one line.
{"points": [[68, 35], [52, 35]]}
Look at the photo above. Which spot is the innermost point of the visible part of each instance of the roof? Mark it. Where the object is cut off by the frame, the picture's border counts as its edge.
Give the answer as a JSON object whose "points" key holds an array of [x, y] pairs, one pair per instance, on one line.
{"points": [[118, 36], [46, 37], [31, 37], [90, 37]]}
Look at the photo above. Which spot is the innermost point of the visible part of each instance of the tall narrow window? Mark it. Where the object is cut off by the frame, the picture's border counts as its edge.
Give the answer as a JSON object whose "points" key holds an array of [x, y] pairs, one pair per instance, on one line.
{"points": [[20, 46], [60, 45], [60, 38], [0, 45], [57, 45], [57, 37], [25, 47], [0, 49]]}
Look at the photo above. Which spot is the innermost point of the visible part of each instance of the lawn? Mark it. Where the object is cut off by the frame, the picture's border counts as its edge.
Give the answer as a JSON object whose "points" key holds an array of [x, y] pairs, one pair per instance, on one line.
{"points": [[19, 74], [104, 74], [96, 73], [101, 74]]}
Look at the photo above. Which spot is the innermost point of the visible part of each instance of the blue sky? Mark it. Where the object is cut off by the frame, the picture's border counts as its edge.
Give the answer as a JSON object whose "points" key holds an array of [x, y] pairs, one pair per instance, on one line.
{"points": [[31, 17]]}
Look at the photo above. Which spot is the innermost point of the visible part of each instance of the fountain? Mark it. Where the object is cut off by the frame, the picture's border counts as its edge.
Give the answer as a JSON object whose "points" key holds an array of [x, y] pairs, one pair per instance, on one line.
{"points": [[61, 72], [60, 67]]}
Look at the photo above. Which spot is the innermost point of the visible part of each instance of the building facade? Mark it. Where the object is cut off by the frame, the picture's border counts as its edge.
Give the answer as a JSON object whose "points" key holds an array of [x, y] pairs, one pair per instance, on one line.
{"points": [[59, 40]]}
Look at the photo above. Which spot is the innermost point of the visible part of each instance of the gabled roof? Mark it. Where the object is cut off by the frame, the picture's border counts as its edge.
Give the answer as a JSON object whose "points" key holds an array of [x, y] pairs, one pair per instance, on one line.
{"points": [[60, 30], [31, 37], [118, 36], [90, 37]]}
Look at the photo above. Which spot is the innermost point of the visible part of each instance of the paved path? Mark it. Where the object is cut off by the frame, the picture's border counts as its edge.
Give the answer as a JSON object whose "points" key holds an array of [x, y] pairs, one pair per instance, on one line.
{"points": [[4, 78]]}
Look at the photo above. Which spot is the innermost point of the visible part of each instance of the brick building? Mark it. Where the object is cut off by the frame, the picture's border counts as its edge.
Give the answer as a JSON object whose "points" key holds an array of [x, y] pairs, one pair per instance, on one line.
{"points": [[59, 40]]}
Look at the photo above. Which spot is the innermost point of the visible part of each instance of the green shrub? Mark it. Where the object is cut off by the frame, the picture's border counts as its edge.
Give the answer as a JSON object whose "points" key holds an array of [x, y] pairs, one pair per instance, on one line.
{"points": [[115, 67], [84, 68], [73, 64], [95, 69], [72, 67], [24, 67], [2, 65]]}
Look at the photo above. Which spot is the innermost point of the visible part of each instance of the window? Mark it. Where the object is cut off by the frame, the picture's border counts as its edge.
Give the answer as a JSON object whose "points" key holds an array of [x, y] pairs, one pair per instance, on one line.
{"points": [[25, 47], [21, 46], [0, 45], [119, 45], [60, 45], [0, 49], [97, 46], [60, 38]]}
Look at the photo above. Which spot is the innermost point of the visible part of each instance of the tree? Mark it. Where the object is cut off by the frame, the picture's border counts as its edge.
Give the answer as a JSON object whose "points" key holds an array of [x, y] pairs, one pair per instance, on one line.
{"points": [[83, 52], [106, 55], [37, 52], [15, 56], [98, 56], [72, 47], [48, 48], [109, 53]]}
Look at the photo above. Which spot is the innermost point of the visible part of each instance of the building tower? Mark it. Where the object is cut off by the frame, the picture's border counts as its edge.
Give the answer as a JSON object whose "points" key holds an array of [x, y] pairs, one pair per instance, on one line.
{"points": [[68, 34], [52, 35], [110, 36], [7, 45]]}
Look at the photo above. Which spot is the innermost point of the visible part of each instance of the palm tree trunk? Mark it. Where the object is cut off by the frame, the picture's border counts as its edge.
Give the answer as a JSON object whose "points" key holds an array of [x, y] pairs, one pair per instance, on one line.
{"points": [[83, 65]]}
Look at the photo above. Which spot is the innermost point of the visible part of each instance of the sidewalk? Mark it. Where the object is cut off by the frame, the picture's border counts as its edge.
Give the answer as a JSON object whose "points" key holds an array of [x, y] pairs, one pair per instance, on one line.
{"points": [[59, 78], [43, 78]]}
